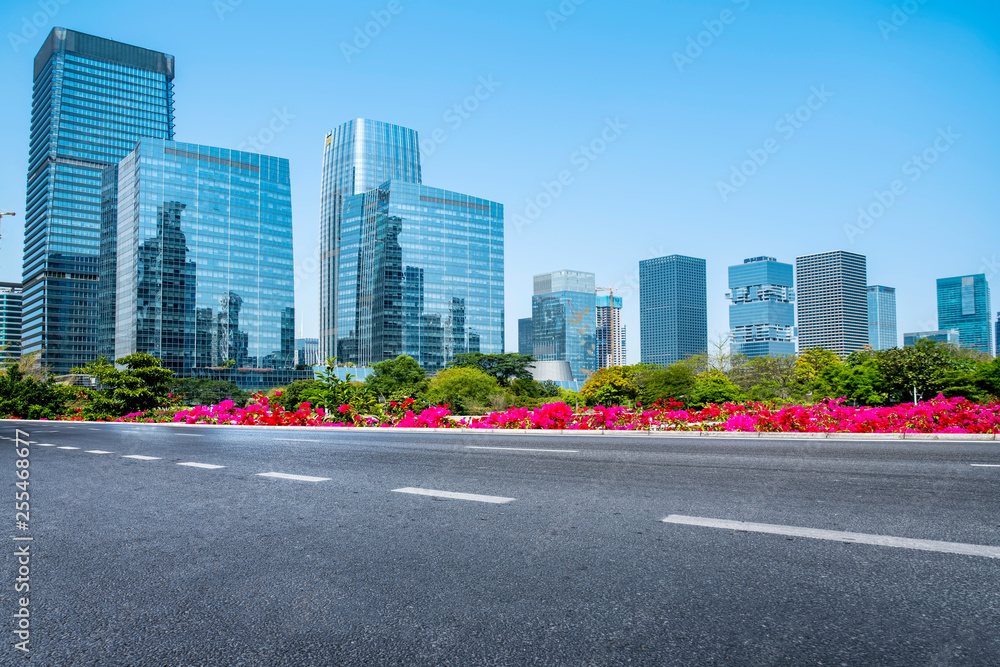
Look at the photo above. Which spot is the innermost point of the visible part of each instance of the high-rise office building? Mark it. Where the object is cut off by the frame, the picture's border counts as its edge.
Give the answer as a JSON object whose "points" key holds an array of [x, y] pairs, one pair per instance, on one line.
{"points": [[420, 273], [204, 259], [964, 304], [950, 337], [831, 290], [564, 320], [359, 156], [762, 308], [996, 337], [882, 317], [92, 100], [307, 351], [10, 321], [610, 332], [673, 309], [525, 342]]}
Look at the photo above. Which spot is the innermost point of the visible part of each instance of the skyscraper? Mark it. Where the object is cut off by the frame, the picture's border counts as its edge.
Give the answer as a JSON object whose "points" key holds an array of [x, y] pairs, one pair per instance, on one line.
{"points": [[564, 320], [92, 100], [950, 337], [10, 321], [996, 337], [204, 259], [831, 289], [359, 156], [525, 341], [762, 312], [964, 304], [882, 333], [610, 332], [673, 309]]}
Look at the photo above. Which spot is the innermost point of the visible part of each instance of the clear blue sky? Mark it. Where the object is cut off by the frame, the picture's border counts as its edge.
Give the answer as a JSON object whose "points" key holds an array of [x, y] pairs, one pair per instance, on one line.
{"points": [[886, 95]]}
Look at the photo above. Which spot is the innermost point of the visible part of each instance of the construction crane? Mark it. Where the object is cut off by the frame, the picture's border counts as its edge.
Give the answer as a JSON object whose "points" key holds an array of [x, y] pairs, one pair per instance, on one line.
{"points": [[1, 219], [611, 291]]}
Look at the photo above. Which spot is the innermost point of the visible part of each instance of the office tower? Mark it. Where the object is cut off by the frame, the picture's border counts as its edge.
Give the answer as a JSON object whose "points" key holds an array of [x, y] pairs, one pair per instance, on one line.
{"points": [[564, 320], [307, 351], [420, 273], [882, 317], [525, 342], [673, 309], [996, 337], [831, 289], [610, 332], [10, 321], [964, 304], [92, 100], [762, 312], [359, 156], [950, 337], [204, 248]]}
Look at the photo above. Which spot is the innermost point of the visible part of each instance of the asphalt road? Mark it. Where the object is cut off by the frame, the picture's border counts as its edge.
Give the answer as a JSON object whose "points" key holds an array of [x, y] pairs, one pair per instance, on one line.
{"points": [[566, 560]]}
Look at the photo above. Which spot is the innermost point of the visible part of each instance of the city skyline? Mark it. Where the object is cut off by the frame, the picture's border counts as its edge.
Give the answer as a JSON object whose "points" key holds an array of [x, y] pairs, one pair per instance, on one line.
{"points": [[829, 186]]}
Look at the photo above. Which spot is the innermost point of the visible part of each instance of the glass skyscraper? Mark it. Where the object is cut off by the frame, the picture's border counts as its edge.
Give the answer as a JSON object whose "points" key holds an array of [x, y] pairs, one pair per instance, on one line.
{"points": [[610, 332], [10, 321], [831, 290], [359, 156], [92, 100], [882, 333], [673, 309], [525, 337], [204, 259], [964, 304], [564, 320], [762, 312]]}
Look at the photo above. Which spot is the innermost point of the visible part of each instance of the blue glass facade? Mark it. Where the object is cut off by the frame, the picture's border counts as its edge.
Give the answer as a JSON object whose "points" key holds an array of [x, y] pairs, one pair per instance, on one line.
{"points": [[964, 304], [564, 320], [762, 312], [525, 337], [92, 100], [882, 317], [10, 321], [420, 273], [951, 337], [204, 259], [673, 309], [359, 156]]}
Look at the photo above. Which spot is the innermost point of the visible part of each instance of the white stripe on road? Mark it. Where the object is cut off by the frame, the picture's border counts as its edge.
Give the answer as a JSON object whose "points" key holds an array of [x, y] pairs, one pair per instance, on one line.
{"points": [[69, 448], [292, 440], [206, 466], [985, 465], [499, 500], [39, 444], [839, 536], [525, 449], [190, 435], [98, 451], [300, 478], [141, 458]]}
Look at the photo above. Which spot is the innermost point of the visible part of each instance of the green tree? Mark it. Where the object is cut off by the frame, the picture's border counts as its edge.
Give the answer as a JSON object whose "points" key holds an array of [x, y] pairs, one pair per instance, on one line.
{"points": [[504, 368], [462, 388], [292, 396], [713, 386], [919, 368], [617, 385], [24, 397], [194, 391], [987, 378], [676, 381], [400, 377], [143, 385], [765, 378]]}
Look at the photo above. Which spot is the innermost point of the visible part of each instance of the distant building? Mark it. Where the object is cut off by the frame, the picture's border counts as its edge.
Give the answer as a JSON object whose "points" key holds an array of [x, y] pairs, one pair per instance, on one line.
{"points": [[610, 333], [964, 304], [996, 338], [831, 289], [525, 341], [307, 351], [564, 320], [10, 321], [762, 309], [882, 333], [204, 260], [673, 309], [950, 337]]}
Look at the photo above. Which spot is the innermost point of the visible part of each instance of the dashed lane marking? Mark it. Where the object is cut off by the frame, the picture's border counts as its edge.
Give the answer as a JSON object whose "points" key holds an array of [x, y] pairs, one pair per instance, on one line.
{"points": [[68, 448], [497, 500], [985, 465], [206, 466], [300, 478], [41, 444], [525, 449], [98, 451], [293, 440], [141, 458]]}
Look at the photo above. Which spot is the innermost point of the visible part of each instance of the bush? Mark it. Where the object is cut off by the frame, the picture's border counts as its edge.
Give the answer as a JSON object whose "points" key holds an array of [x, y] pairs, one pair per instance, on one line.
{"points": [[23, 397], [143, 385], [402, 375], [461, 388], [292, 396], [192, 391]]}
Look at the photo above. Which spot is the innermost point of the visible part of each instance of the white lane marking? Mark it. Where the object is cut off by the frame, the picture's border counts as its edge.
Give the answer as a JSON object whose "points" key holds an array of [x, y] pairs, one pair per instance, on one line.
{"points": [[39, 444], [206, 466], [498, 500], [191, 435], [292, 440], [526, 449], [840, 536], [141, 458], [98, 451], [300, 478], [68, 448], [985, 465]]}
